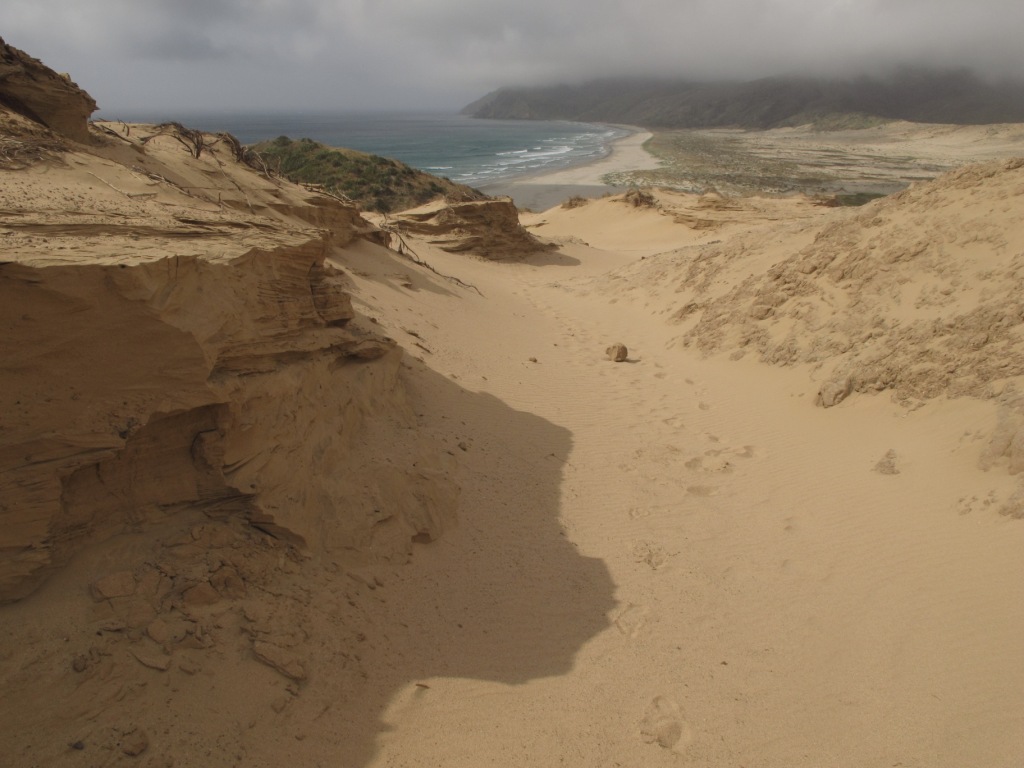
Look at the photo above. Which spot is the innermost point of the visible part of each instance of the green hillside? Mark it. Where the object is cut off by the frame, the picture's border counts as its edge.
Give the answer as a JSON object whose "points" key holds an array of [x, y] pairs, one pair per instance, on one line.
{"points": [[374, 183]]}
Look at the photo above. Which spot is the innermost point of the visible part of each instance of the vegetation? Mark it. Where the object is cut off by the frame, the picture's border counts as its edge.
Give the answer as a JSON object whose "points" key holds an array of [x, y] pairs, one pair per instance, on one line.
{"points": [[857, 198], [372, 182], [697, 162]]}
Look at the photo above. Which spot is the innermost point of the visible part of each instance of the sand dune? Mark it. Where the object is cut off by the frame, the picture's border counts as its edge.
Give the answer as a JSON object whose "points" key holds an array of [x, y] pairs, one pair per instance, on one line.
{"points": [[793, 585], [275, 494]]}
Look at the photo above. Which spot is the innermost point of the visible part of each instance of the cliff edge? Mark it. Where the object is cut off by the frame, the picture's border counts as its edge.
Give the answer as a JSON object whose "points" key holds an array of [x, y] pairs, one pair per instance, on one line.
{"points": [[178, 339]]}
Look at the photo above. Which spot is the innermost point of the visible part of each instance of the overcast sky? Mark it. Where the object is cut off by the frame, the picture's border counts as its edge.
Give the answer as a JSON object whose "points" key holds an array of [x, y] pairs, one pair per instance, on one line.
{"points": [[341, 55]]}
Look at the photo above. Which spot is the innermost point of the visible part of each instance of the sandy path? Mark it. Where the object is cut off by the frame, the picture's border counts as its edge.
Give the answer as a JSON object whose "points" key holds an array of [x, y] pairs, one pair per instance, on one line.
{"points": [[730, 584]]}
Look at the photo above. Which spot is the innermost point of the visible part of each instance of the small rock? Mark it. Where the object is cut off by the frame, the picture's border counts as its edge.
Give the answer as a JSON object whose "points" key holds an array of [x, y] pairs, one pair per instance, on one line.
{"points": [[158, 631], [834, 392], [201, 594], [120, 584], [79, 745], [135, 742], [80, 663], [227, 582], [617, 352], [533, 359]]}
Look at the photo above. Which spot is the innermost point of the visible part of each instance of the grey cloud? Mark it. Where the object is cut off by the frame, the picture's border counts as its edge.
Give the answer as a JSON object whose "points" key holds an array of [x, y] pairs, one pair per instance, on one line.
{"points": [[336, 54]]}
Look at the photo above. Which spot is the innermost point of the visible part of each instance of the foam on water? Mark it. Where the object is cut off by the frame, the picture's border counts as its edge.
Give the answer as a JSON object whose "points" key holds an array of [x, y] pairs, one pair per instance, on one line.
{"points": [[465, 149]]}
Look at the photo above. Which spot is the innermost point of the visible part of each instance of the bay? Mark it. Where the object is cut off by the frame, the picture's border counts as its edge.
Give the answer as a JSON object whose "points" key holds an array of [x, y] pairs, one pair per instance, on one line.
{"points": [[467, 150]]}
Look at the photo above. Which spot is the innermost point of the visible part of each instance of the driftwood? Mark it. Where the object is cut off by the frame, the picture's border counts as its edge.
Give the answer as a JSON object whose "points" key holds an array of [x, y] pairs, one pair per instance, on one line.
{"points": [[19, 153], [194, 141], [404, 250]]}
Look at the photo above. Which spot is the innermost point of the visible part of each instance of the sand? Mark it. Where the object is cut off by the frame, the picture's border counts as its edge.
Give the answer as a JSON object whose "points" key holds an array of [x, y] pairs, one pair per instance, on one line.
{"points": [[516, 551], [543, 191], [749, 587]]}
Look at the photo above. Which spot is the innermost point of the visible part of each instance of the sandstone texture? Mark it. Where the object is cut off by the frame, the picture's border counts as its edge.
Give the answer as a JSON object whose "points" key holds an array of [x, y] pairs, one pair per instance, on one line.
{"points": [[486, 228], [177, 335], [32, 90]]}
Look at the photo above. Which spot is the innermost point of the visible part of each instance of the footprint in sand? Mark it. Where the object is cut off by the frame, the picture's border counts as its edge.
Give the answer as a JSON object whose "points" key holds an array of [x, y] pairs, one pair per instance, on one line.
{"points": [[663, 724], [701, 490], [650, 553], [717, 459], [631, 620], [711, 461]]}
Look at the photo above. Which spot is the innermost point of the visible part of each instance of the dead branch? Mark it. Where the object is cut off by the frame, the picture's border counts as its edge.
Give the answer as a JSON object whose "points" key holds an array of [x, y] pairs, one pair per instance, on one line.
{"points": [[18, 154], [405, 251], [321, 189], [194, 141], [233, 143], [162, 179]]}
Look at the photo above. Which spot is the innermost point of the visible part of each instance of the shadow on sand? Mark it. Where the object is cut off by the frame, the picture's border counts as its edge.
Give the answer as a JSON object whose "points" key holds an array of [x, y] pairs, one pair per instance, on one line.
{"points": [[503, 596]]}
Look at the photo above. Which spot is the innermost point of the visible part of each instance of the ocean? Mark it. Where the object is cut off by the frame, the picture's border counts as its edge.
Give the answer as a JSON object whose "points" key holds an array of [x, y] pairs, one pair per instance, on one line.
{"points": [[464, 149]]}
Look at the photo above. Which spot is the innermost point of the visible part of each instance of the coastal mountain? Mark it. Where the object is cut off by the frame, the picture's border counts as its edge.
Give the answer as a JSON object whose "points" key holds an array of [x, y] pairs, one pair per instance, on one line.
{"points": [[374, 183], [957, 97]]}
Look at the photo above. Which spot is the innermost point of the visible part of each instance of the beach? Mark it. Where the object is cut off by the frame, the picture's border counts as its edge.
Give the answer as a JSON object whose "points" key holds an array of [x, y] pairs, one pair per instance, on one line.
{"points": [[543, 191]]}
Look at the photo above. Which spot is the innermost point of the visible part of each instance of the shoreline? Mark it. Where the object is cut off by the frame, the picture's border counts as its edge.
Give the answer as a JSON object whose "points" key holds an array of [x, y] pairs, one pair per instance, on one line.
{"points": [[542, 191]]}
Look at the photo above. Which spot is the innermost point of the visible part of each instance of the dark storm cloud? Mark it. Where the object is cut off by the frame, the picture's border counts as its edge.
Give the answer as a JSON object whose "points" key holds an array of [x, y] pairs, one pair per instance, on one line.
{"points": [[338, 54]]}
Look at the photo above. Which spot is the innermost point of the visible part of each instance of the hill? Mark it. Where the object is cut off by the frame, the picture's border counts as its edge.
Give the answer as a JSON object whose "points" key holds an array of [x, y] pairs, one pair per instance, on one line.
{"points": [[374, 183], [957, 97]]}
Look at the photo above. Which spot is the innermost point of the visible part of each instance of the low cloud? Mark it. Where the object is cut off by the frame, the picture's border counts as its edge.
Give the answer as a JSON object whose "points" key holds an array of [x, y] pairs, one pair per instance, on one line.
{"points": [[334, 55]]}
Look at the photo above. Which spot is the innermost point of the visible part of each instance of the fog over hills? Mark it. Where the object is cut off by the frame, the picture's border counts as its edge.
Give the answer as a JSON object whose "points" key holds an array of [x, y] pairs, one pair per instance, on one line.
{"points": [[343, 55], [926, 96]]}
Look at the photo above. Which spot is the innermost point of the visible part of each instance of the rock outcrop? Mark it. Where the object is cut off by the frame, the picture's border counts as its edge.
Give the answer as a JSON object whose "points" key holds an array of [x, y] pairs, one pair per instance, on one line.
{"points": [[486, 228], [33, 90]]}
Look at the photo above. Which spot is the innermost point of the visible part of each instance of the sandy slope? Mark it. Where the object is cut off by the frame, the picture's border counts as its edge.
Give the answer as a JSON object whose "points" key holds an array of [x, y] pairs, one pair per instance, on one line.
{"points": [[772, 595]]}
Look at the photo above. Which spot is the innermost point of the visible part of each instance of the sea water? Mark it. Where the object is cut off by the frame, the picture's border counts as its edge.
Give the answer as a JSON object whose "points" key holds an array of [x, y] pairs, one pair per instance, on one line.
{"points": [[464, 149]]}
